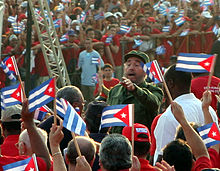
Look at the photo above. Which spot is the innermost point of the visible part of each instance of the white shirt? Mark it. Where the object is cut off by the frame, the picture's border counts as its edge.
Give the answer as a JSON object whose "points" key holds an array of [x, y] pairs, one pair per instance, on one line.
{"points": [[165, 129]]}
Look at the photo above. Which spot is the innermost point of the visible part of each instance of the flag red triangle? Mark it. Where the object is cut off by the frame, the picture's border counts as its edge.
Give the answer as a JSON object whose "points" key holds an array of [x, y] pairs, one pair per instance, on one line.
{"points": [[214, 132], [10, 64], [17, 94], [123, 115], [30, 166], [50, 90], [207, 63], [155, 72]]}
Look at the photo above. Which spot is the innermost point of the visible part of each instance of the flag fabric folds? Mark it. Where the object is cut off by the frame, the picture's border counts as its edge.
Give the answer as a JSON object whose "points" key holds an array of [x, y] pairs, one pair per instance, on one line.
{"points": [[108, 118], [189, 62], [210, 134], [6, 98], [17, 166], [9, 73], [72, 121], [41, 95], [41, 112]]}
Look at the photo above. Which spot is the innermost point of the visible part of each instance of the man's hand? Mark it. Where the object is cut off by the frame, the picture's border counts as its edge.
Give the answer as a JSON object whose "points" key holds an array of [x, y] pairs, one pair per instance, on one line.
{"points": [[82, 164], [127, 84], [178, 112], [163, 166], [56, 135], [206, 99], [26, 116]]}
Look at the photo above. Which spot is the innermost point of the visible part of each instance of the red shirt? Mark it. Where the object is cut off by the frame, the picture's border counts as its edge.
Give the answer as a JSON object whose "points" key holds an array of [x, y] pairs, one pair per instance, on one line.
{"points": [[214, 158], [107, 84], [8, 147], [202, 163], [145, 166], [199, 85], [40, 65]]}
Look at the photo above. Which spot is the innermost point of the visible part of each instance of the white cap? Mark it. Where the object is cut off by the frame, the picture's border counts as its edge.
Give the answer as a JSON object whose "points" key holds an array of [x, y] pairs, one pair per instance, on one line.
{"points": [[118, 14], [206, 14], [108, 14], [75, 22]]}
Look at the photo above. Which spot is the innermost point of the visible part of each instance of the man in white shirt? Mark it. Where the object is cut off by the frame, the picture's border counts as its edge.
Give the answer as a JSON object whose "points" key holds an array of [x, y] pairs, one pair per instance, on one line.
{"points": [[179, 86]]}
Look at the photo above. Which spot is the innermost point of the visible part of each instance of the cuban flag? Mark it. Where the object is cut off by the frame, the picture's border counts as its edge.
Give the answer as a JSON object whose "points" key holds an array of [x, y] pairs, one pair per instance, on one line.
{"points": [[82, 17], [68, 20], [160, 50], [96, 60], [181, 13], [72, 121], [99, 16], [60, 108], [208, 2], [166, 29], [64, 38], [137, 43], [207, 63], [7, 98], [163, 10], [17, 29], [173, 10], [179, 21], [2, 106], [210, 134], [10, 62], [60, 7], [108, 39], [124, 29], [41, 112], [32, 164], [57, 23], [95, 78], [42, 95], [9, 73], [189, 62], [108, 119], [12, 19], [125, 114], [185, 32], [215, 29], [17, 166]]}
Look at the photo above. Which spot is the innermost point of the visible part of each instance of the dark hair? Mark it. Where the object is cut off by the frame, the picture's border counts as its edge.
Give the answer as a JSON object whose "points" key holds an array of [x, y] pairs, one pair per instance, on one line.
{"points": [[181, 79], [13, 127], [87, 149], [180, 132], [107, 66], [70, 93], [89, 29], [179, 154], [141, 148], [93, 115], [115, 152]]}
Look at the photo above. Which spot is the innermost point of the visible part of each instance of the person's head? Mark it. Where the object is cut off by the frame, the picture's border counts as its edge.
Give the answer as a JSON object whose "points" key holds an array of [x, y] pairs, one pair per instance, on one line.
{"points": [[88, 44], [24, 144], [178, 82], [141, 21], [180, 133], [179, 154], [142, 139], [87, 148], [112, 30], [133, 26], [115, 153], [10, 120], [90, 33], [13, 40], [107, 71], [110, 17], [146, 30], [73, 95], [133, 66], [93, 115]]}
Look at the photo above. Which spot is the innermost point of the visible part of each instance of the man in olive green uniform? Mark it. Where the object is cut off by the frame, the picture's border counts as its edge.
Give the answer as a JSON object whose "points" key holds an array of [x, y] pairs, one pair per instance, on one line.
{"points": [[134, 90]]}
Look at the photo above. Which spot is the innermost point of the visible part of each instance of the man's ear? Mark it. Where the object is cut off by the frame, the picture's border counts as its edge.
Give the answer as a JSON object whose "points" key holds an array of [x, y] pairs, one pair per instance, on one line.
{"points": [[170, 84], [23, 148]]}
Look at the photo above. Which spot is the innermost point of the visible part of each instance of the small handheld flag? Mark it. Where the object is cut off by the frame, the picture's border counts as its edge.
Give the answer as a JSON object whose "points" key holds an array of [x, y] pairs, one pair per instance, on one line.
{"points": [[125, 114], [19, 165]]}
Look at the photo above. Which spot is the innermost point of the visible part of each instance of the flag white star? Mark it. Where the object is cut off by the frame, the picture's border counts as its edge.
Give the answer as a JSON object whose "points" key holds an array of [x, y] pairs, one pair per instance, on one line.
{"points": [[123, 115], [18, 94], [31, 169], [9, 65], [213, 133], [50, 89], [207, 64]]}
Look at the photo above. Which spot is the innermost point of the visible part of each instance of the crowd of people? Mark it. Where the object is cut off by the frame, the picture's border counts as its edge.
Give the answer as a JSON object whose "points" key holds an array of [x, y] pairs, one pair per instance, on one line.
{"points": [[105, 44]]}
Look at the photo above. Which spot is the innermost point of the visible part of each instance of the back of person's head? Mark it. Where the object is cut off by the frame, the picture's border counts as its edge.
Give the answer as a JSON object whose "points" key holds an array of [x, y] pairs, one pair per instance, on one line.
{"points": [[87, 148], [179, 154], [70, 93], [180, 132], [115, 153], [10, 120], [180, 79], [24, 137], [93, 116], [142, 139]]}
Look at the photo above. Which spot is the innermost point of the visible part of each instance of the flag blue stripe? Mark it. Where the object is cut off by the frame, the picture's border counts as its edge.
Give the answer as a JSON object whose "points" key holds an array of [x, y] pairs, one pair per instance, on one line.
{"points": [[114, 107], [75, 121], [83, 130], [202, 128], [16, 164], [198, 55], [214, 142], [113, 124], [37, 105]]}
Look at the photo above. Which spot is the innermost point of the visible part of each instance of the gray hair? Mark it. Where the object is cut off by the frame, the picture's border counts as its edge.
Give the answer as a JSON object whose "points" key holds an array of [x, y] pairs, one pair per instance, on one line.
{"points": [[115, 152]]}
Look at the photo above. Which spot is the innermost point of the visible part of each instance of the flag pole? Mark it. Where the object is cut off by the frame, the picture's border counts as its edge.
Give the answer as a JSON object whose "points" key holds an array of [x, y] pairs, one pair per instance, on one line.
{"points": [[132, 131], [35, 161], [76, 144], [211, 72], [167, 90], [54, 104]]}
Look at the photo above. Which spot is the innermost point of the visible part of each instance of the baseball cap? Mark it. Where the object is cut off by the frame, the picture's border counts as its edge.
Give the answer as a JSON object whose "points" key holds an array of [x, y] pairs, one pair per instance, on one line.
{"points": [[13, 36], [11, 114], [151, 19], [138, 129], [141, 55], [206, 14]]}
